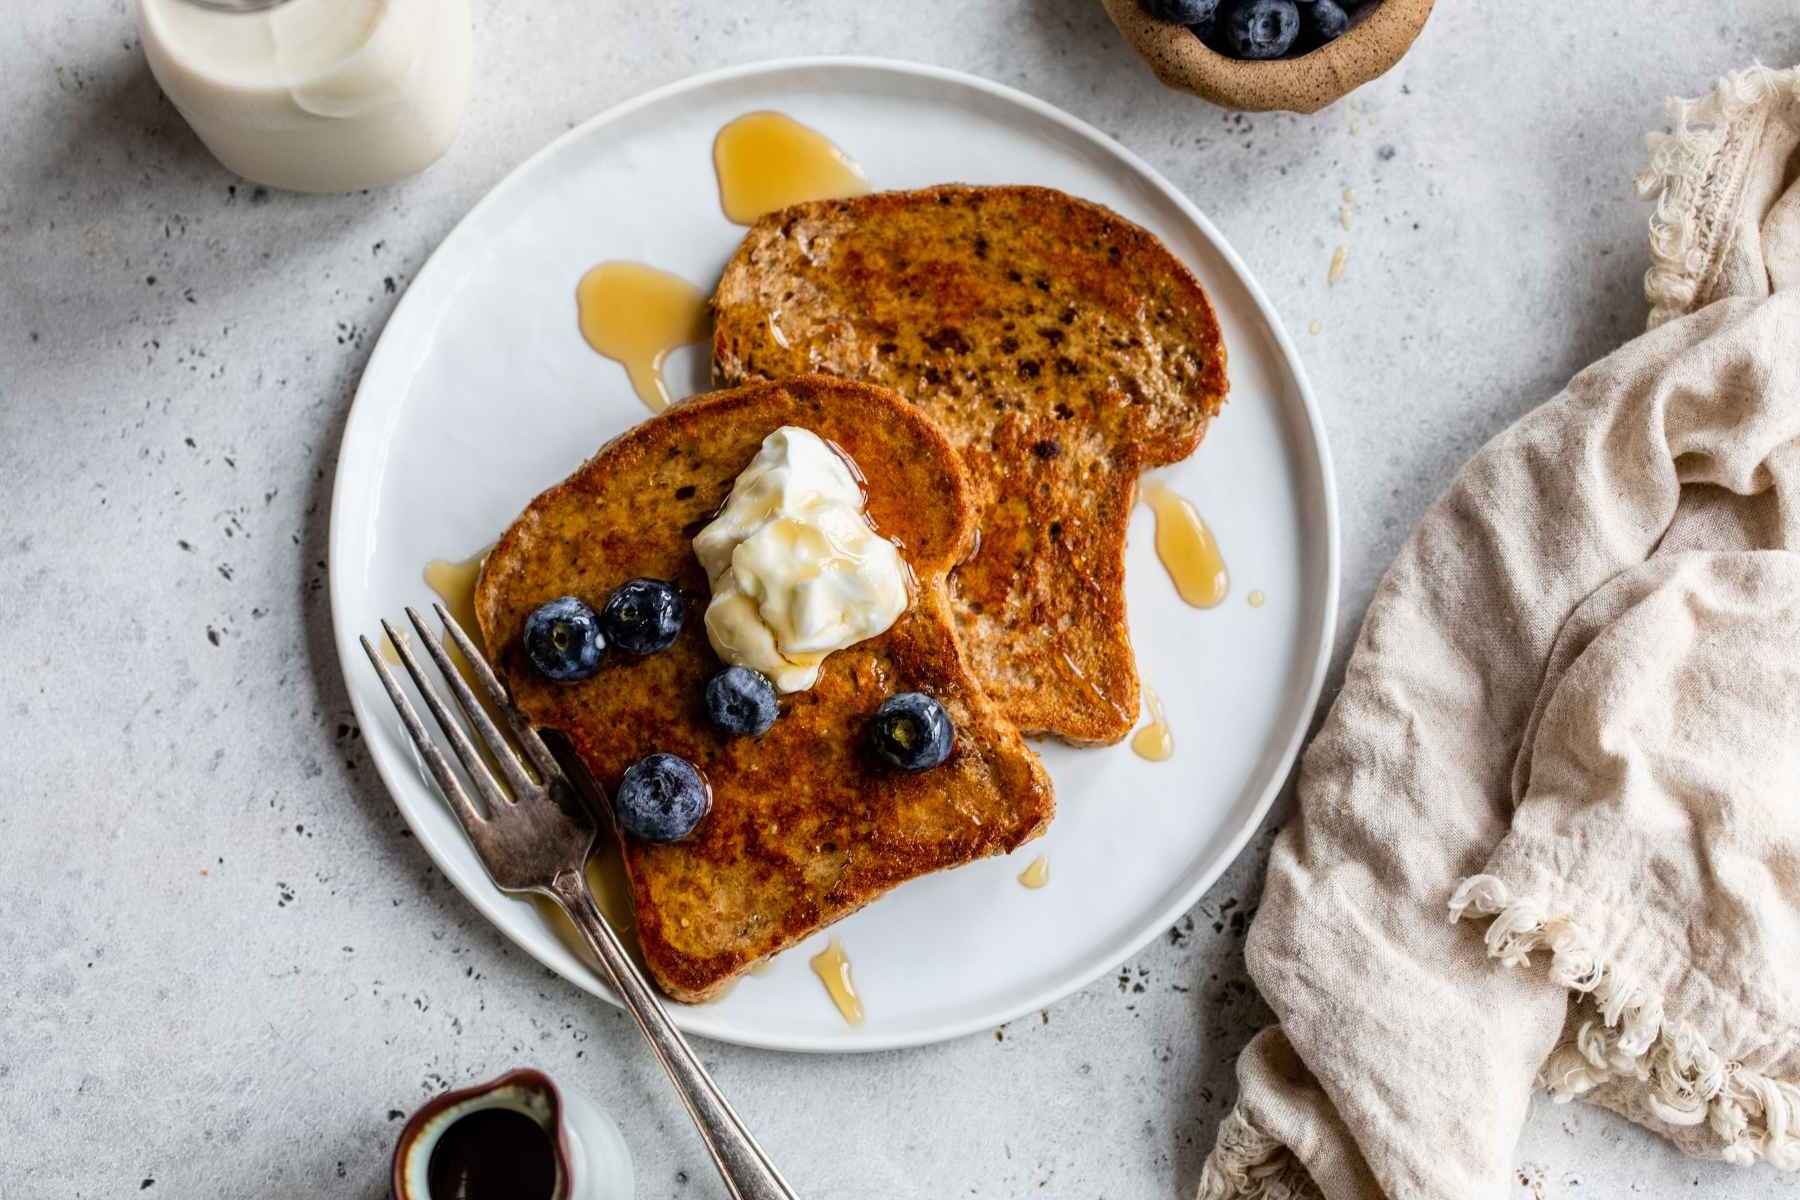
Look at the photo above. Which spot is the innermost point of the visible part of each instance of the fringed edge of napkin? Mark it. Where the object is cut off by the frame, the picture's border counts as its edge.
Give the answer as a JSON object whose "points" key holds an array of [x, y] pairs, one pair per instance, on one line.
{"points": [[1679, 1079], [1694, 175], [1248, 1164]]}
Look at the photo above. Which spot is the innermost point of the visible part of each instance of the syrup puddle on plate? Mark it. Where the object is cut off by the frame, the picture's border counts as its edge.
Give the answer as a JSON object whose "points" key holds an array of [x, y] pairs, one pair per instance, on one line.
{"points": [[1037, 874], [1187, 548], [612, 893], [635, 314], [1154, 742], [767, 160], [833, 970], [454, 583]]}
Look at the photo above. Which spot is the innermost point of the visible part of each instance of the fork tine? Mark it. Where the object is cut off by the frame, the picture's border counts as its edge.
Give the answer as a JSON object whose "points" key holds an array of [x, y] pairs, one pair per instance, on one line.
{"points": [[548, 767], [434, 758], [521, 783], [459, 741]]}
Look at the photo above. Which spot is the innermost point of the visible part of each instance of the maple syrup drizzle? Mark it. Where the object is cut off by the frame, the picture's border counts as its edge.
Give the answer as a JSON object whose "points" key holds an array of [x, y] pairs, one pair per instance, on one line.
{"points": [[454, 583], [1037, 874], [1187, 548], [612, 893], [833, 970], [635, 314], [1154, 742], [766, 161]]}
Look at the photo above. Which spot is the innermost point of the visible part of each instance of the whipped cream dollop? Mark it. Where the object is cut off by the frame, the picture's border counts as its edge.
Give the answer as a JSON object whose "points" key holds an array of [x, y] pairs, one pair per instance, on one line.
{"points": [[797, 571]]}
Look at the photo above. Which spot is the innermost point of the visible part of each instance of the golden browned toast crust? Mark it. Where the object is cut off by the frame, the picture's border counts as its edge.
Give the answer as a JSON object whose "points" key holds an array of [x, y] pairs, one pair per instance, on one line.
{"points": [[1060, 348], [806, 826]]}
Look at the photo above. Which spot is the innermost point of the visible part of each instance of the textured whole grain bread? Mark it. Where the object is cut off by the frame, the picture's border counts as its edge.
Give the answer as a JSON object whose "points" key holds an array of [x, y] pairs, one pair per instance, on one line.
{"points": [[1060, 348], [806, 825]]}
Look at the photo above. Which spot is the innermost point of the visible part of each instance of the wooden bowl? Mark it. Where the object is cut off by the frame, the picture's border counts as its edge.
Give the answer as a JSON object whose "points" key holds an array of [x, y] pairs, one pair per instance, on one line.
{"points": [[1380, 33]]}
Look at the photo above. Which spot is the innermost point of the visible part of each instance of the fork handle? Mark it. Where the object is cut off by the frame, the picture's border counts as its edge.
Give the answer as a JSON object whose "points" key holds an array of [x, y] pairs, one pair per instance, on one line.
{"points": [[747, 1171]]}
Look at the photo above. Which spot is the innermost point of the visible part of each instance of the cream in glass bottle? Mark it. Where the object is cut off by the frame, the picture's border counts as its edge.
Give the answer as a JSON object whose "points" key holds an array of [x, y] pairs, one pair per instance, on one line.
{"points": [[314, 95]]}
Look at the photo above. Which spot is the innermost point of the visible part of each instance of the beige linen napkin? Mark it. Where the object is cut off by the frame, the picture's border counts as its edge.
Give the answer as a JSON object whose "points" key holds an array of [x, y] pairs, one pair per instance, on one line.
{"points": [[1571, 721]]}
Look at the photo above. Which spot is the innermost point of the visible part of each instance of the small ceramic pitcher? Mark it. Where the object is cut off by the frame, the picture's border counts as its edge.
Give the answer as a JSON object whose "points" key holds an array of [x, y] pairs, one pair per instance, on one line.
{"points": [[591, 1160]]}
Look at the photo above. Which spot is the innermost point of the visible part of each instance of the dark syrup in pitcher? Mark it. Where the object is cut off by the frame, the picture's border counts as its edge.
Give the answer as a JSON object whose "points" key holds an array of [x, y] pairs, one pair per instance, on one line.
{"points": [[493, 1154]]}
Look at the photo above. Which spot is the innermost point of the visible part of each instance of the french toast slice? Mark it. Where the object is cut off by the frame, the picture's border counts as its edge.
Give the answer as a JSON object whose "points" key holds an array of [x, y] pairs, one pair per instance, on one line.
{"points": [[1060, 348], [806, 824]]}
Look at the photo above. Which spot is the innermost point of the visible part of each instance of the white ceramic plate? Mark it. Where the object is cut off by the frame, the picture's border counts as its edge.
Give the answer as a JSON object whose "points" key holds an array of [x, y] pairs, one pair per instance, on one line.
{"points": [[481, 393]]}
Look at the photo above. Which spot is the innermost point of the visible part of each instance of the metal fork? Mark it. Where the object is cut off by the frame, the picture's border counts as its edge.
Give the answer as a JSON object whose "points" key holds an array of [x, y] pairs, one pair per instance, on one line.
{"points": [[535, 837]]}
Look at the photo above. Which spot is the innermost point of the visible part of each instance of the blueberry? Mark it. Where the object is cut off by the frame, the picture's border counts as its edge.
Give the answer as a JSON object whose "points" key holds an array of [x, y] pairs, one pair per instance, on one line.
{"points": [[912, 731], [1181, 12], [563, 639], [661, 798], [1261, 28], [642, 616], [1210, 33], [741, 701], [1323, 21]]}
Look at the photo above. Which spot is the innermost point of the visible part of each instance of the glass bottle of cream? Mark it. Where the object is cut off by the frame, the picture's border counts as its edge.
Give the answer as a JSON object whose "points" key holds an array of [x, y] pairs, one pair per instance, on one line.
{"points": [[314, 95]]}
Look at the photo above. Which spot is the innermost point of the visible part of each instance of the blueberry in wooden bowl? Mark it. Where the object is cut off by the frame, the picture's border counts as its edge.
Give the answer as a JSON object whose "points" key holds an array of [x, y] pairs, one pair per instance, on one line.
{"points": [[1262, 55]]}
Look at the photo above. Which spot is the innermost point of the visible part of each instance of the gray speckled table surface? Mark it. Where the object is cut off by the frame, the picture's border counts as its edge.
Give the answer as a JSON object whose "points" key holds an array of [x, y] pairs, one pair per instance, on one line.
{"points": [[228, 968]]}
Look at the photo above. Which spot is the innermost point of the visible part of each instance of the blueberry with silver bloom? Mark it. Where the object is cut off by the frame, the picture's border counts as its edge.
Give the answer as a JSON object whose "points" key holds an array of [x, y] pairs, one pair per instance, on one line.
{"points": [[642, 616], [1260, 28], [741, 702], [1181, 12], [662, 798], [563, 639], [1323, 20], [912, 731]]}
